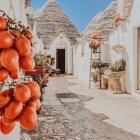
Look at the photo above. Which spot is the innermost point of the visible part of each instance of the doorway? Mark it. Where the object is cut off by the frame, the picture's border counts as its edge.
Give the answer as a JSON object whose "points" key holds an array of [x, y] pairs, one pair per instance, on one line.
{"points": [[61, 60]]}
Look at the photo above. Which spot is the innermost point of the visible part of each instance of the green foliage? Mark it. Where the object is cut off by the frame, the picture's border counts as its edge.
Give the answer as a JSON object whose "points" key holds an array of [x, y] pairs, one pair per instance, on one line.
{"points": [[98, 64], [40, 59], [95, 76], [118, 66]]}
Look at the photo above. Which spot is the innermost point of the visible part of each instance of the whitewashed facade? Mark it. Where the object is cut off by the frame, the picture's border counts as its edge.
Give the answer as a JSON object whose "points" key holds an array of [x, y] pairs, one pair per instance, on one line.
{"points": [[127, 33], [82, 54], [129, 37], [62, 42]]}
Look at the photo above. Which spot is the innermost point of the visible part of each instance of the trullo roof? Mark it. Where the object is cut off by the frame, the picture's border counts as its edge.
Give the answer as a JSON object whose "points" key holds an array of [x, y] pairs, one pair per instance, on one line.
{"points": [[104, 22], [52, 21]]}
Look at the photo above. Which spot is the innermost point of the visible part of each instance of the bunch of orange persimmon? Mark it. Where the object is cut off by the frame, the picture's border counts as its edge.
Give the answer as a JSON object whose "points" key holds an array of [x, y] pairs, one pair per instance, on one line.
{"points": [[21, 103]]}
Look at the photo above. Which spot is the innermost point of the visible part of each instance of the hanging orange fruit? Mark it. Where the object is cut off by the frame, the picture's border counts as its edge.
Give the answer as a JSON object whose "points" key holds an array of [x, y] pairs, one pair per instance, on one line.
{"points": [[31, 104], [6, 128], [1, 111], [28, 34], [16, 33], [22, 93], [5, 97], [3, 24], [8, 92], [14, 74], [3, 74], [23, 46], [28, 118], [37, 103], [35, 89], [7, 120], [6, 40], [10, 59], [13, 109], [0, 61], [0, 65], [27, 63], [31, 52]]}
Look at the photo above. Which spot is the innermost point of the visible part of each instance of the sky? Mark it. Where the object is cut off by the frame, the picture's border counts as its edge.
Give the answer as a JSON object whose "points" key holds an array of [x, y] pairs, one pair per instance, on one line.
{"points": [[81, 12]]}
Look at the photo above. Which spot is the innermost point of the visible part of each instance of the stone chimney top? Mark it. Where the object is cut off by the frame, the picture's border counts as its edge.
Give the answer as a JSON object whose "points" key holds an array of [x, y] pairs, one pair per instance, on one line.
{"points": [[51, 0]]}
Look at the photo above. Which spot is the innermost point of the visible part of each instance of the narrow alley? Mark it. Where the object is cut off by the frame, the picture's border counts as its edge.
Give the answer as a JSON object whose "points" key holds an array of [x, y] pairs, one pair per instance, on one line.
{"points": [[64, 117]]}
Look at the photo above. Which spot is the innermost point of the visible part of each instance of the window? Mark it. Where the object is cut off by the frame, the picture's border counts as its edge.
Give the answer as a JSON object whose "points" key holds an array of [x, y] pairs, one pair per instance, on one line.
{"points": [[82, 51]]}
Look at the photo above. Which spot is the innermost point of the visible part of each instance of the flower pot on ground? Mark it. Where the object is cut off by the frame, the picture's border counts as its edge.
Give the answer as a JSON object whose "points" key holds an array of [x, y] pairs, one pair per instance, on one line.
{"points": [[95, 76], [96, 64]]}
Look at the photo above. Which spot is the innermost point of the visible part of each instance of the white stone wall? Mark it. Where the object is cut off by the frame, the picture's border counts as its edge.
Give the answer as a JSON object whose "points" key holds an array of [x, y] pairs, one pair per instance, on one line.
{"points": [[82, 64], [128, 37], [125, 34], [14, 9]]}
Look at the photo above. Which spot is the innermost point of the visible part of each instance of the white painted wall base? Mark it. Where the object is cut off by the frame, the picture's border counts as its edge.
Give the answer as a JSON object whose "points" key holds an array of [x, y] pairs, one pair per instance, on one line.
{"points": [[126, 34]]}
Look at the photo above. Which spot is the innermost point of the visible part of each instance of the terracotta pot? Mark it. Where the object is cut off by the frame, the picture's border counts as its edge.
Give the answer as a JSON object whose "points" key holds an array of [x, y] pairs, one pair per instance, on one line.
{"points": [[95, 79]]}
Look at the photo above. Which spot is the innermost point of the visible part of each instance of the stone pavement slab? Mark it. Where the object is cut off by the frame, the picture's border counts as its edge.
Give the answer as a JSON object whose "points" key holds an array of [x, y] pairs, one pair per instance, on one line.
{"points": [[123, 110]]}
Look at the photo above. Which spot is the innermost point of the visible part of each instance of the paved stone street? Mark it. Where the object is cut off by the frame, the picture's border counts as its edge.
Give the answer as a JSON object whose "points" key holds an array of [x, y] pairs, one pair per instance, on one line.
{"points": [[64, 117]]}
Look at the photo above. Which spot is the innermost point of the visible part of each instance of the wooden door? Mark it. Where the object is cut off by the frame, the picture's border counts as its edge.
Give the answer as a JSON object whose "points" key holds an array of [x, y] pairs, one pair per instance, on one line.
{"points": [[61, 60]]}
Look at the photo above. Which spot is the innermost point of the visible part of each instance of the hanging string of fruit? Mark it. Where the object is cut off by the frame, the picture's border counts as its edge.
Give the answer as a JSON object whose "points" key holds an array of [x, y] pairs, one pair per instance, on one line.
{"points": [[20, 101]]}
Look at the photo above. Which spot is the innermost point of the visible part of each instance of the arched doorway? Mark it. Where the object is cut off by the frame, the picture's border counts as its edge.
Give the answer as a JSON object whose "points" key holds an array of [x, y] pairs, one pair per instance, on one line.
{"points": [[61, 50], [60, 60]]}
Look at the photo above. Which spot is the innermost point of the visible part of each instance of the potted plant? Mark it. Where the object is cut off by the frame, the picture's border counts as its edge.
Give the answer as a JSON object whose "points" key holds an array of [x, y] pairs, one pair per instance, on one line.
{"points": [[95, 75], [94, 46], [95, 36], [105, 64], [96, 64], [118, 66]]}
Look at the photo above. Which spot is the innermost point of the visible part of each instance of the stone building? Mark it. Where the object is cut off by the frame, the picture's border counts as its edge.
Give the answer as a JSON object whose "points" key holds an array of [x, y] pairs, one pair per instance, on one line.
{"points": [[103, 23], [126, 33], [58, 34]]}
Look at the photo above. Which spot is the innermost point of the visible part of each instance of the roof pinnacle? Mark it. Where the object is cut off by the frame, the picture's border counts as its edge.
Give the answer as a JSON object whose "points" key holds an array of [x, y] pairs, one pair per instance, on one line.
{"points": [[51, 0]]}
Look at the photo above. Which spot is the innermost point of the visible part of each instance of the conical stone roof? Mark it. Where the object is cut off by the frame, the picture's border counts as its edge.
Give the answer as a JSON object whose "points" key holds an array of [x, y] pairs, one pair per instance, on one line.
{"points": [[102, 23], [52, 21]]}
